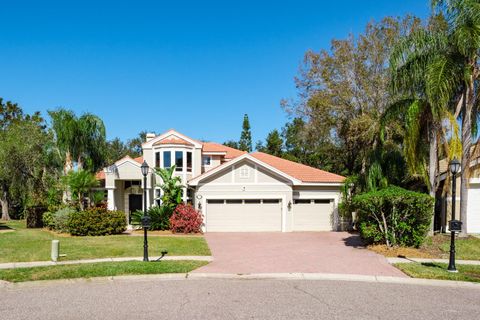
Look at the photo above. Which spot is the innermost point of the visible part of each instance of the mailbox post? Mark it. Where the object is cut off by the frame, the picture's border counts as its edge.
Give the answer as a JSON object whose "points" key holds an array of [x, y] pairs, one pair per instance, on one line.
{"points": [[145, 218], [454, 225]]}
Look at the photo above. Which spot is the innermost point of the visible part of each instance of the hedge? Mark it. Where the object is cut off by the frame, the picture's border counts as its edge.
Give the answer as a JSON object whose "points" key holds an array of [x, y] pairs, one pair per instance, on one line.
{"points": [[394, 216], [96, 222]]}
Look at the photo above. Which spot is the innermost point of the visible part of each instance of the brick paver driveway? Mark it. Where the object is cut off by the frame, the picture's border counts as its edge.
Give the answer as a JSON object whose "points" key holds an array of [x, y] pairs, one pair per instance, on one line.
{"points": [[305, 252]]}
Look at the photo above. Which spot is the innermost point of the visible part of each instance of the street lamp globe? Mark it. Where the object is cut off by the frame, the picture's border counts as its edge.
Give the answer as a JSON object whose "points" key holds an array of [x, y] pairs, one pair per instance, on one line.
{"points": [[144, 168], [454, 166]]}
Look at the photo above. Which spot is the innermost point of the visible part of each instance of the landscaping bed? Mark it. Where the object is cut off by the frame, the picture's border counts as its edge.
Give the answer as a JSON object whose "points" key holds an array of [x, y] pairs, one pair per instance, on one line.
{"points": [[101, 269], [435, 247], [439, 271], [25, 245]]}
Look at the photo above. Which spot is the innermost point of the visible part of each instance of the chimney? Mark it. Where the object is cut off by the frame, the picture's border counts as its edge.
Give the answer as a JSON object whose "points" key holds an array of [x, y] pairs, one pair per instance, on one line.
{"points": [[149, 136]]}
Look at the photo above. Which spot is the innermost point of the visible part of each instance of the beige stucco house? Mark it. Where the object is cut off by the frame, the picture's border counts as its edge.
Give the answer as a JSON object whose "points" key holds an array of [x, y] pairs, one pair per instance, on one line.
{"points": [[235, 191]]}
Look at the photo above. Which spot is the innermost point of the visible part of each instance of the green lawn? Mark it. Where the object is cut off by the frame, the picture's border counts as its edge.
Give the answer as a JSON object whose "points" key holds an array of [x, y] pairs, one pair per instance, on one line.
{"points": [[439, 271], [35, 245], [101, 269], [466, 248]]}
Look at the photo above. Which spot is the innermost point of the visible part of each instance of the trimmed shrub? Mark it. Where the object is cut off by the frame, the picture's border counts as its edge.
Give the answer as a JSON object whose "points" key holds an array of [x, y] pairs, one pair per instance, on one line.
{"points": [[97, 222], [61, 217], [394, 216], [48, 220], [160, 218], [185, 219]]}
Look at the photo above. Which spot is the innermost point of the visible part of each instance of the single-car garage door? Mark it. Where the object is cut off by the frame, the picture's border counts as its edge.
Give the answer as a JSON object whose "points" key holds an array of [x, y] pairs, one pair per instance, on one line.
{"points": [[249, 215], [312, 215]]}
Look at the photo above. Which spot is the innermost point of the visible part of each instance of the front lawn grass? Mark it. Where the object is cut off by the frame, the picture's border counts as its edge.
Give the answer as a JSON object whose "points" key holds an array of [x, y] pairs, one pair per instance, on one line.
{"points": [[101, 269], [439, 271], [437, 247], [23, 245]]}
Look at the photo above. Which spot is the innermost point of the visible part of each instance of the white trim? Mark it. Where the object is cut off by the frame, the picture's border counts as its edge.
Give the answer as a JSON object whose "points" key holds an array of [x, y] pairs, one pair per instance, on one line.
{"points": [[283, 198], [247, 156], [214, 153], [321, 184], [125, 160], [242, 184], [150, 143]]}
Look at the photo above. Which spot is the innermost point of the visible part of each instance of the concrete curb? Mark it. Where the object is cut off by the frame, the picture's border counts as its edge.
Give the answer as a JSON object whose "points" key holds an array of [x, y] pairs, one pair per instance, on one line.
{"points": [[246, 277], [14, 265], [420, 260]]}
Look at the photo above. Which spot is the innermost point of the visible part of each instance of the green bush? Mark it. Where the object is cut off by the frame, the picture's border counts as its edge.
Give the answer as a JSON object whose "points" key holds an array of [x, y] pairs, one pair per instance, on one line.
{"points": [[97, 222], [48, 220], [160, 218], [61, 217], [394, 216]]}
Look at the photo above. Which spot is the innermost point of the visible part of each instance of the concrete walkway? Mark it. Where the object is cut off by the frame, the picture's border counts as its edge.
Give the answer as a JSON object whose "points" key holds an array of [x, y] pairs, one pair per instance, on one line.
{"points": [[419, 260], [13, 265]]}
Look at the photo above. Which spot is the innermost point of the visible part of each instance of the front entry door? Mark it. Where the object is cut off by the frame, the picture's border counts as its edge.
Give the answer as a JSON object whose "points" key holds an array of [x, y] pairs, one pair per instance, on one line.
{"points": [[134, 204]]}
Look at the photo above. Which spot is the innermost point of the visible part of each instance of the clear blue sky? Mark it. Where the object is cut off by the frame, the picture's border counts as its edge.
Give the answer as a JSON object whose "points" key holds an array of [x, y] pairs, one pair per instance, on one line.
{"points": [[196, 66]]}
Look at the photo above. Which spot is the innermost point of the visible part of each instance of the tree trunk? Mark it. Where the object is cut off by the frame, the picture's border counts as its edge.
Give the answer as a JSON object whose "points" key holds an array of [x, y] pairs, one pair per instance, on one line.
{"points": [[67, 167], [4, 204], [432, 169], [466, 146]]}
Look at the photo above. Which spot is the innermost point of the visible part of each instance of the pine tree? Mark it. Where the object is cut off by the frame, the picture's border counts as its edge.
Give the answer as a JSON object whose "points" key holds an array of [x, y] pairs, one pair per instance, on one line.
{"points": [[245, 142]]}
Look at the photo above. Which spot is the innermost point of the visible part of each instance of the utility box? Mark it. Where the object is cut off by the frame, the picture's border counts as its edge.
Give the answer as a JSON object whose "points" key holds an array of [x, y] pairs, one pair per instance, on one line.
{"points": [[55, 250]]}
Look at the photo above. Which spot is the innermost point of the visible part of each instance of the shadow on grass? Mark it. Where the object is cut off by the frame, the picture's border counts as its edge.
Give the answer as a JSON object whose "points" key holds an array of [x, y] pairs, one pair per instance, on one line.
{"points": [[4, 227]]}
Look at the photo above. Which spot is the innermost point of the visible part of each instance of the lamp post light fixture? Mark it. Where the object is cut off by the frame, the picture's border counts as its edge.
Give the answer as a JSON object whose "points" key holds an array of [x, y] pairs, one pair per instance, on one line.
{"points": [[145, 218], [454, 225]]}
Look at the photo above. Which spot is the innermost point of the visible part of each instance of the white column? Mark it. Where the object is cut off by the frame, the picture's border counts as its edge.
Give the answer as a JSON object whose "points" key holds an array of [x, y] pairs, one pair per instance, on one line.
{"points": [[111, 199]]}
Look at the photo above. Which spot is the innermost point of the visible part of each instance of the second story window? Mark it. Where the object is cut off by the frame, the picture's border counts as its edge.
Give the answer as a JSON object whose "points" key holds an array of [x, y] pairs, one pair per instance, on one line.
{"points": [[167, 159], [178, 160], [189, 161], [157, 159], [206, 160]]}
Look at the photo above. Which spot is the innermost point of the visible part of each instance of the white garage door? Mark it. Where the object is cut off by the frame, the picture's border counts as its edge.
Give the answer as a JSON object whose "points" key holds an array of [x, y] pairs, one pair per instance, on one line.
{"points": [[244, 215], [473, 209], [312, 215]]}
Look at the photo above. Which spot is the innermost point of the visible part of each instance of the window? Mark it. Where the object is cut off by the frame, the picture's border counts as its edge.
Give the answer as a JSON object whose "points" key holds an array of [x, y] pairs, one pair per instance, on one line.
{"points": [[234, 201], [302, 201], [215, 201], [244, 172], [130, 183], [251, 201], [265, 201], [167, 159], [189, 161], [206, 160], [322, 201], [178, 160], [157, 159]]}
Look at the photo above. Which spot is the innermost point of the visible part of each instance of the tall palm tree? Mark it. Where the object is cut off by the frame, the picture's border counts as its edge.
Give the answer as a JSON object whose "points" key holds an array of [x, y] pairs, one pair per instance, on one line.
{"points": [[463, 18]]}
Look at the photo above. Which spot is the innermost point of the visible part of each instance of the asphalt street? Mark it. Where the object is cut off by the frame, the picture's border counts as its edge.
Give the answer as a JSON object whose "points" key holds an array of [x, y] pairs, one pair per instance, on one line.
{"points": [[237, 299]]}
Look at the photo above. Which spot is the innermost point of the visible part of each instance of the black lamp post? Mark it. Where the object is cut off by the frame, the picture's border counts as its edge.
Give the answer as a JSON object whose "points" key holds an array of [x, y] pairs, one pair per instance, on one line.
{"points": [[145, 218], [454, 225]]}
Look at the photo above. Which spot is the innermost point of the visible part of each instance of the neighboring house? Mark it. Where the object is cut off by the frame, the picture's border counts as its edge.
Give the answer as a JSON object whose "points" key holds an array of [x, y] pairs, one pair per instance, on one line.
{"points": [[443, 204], [234, 190]]}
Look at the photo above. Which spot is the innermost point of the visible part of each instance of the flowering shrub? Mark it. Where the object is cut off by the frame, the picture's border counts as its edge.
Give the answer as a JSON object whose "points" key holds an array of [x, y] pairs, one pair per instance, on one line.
{"points": [[186, 219]]}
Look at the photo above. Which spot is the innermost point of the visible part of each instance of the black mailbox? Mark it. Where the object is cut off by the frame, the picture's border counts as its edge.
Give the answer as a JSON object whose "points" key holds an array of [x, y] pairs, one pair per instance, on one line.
{"points": [[145, 221], [455, 225]]}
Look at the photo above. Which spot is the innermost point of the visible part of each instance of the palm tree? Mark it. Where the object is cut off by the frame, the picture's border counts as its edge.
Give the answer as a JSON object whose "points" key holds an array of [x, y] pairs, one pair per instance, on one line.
{"points": [[80, 183], [463, 17], [171, 187]]}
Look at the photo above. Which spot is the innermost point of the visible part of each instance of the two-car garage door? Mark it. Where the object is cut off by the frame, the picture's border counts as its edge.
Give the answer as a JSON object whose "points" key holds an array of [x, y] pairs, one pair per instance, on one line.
{"points": [[244, 215], [255, 215]]}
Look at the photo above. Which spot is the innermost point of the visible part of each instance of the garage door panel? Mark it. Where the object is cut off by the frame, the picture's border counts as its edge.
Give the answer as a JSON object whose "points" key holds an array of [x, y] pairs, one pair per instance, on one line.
{"points": [[244, 217], [312, 216]]}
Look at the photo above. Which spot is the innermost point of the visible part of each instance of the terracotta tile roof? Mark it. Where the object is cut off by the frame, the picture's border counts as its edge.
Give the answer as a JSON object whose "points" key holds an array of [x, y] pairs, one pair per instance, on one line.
{"points": [[217, 147], [139, 159], [297, 170], [173, 141], [100, 175]]}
